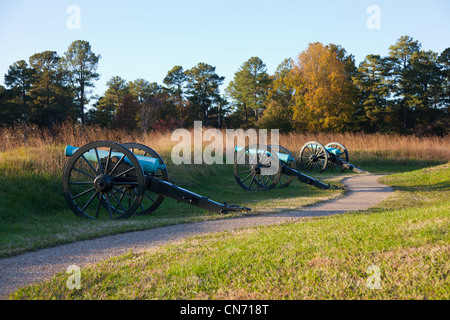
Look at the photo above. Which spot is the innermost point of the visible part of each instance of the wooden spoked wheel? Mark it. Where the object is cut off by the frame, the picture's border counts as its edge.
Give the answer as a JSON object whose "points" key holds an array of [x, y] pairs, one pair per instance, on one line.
{"points": [[257, 168], [342, 153], [285, 180], [95, 177], [150, 200], [313, 157]]}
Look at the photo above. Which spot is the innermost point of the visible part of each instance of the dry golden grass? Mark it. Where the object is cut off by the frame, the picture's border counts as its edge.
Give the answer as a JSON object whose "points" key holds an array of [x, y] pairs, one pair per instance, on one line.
{"points": [[392, 145], [42, 150]]}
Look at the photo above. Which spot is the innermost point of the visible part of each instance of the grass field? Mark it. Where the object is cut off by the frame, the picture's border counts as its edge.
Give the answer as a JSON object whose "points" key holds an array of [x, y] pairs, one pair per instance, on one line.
{"points": [[404, 240], [406, 237]]}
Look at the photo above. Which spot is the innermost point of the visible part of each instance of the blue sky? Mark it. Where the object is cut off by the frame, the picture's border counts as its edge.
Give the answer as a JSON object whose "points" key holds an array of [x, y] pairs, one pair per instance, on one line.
{"points": [[145, 39]]}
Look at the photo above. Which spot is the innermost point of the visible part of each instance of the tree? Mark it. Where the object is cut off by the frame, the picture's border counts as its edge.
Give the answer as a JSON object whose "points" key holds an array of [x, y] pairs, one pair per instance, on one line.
{"points": [[427, 97], [126, 114], [81, 64], [101, 114], [250, 87], [117, 87], [111, 107], [444, 64], [278, 113], [141, 91], [51, 97], [175, 80], [125, 109], [203, 91], [8, 111], [19, 79], [401, 78], [416, 84], [372, 110], [323, 96]]}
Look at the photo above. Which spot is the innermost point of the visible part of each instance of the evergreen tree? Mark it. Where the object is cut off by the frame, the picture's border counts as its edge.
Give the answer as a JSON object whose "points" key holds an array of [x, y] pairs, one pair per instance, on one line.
{"points": [[81, 64], [203, 92], [175, 81], [249, 88], [111, 109], [444, 65], [371, 114], [279, 111], [401, 79], [51, 97], [9, 113], [19, 79], [426, 91]]}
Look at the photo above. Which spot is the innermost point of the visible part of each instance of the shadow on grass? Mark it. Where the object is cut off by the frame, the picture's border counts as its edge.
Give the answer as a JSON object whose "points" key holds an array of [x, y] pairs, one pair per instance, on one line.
{"points": [[433, 187], [386, 166]]}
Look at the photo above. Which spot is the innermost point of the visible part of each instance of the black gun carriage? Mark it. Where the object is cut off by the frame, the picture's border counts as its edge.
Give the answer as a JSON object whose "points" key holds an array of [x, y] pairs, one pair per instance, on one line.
{"points": [[123, 179], [315, 157], [258, 168]]}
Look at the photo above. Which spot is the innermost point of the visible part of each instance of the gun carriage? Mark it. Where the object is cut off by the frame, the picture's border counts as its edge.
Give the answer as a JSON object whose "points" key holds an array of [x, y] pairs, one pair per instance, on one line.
{"points": [[334, 156], [123, 179], [267, 167]]}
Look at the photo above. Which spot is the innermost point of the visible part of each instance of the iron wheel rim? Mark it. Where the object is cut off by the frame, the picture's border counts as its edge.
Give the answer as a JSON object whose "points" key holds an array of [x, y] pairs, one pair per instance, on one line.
{"points": [[313, 157], [84, 180], [150, 200], [246, 166], [285, 180], [344, 156]]}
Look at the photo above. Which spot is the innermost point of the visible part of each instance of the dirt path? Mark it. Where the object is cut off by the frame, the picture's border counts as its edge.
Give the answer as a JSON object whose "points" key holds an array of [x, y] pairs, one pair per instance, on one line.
{"points": [[362, 193]]}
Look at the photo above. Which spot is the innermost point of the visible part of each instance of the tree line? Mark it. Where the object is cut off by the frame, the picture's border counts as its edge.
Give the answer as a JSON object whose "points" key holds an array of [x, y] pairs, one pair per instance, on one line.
{"points": [[321, 90]]}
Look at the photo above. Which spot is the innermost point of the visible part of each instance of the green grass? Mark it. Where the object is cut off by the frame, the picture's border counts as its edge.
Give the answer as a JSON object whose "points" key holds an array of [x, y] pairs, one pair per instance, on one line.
{"points": [[406, 237], [389, 163], [34, 214]]}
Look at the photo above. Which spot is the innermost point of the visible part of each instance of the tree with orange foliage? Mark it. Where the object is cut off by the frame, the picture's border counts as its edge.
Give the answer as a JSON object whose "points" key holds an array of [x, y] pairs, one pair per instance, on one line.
{"points": [[323, 98]]}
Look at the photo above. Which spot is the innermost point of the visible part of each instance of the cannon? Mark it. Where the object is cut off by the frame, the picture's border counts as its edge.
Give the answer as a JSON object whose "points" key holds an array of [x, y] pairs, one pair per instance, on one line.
{"points": [[258, 168], [334, 156], [123, 179]]}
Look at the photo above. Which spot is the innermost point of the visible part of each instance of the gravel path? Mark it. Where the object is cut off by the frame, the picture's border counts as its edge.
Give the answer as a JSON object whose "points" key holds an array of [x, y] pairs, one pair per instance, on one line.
{"points": [[363, 192]]}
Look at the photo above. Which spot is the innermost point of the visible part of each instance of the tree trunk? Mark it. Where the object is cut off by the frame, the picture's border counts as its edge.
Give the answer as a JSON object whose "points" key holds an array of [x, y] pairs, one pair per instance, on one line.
{"points": [[205, 114], [82, 106], [245, 114], [219, 125], [25, 115]]}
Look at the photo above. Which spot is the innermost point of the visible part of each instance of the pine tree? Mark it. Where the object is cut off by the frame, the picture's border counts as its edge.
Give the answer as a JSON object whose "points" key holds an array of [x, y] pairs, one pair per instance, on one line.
{"points": [[19, 79], [175, 81], [279, 110], [81, 64], [203, 92], [249, 89], [372, 110]]}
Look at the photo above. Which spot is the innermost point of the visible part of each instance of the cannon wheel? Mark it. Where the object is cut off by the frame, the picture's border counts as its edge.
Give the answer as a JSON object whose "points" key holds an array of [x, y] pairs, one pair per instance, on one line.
{"points": [[247, 168], [344, 156], [313, 157], [286, 180], [90, 186], [150, 200]]}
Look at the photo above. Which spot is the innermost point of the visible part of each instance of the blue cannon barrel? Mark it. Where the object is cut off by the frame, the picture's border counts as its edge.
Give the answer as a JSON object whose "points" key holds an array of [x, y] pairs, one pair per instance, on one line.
{"points": [[334, 151], [149, 165], [331, 150], [282, 156]]}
